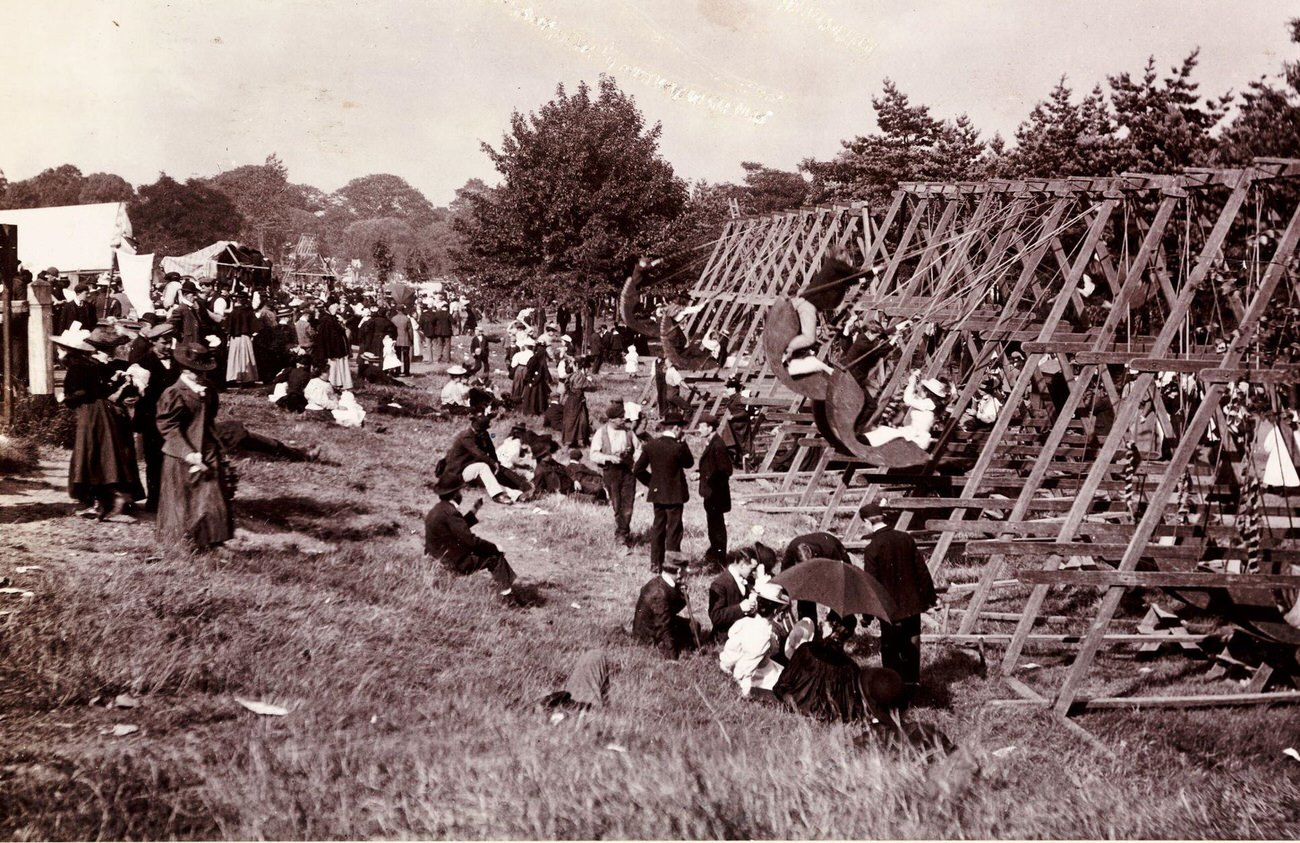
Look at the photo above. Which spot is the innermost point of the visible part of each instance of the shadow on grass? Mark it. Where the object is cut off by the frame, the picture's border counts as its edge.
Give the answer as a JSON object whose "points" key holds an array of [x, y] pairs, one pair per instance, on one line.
{"points": [[324, 520], [28, 512]]}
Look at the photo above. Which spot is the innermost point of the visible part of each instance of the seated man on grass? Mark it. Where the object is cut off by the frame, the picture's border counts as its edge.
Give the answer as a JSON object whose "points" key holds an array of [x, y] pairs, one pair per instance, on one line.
{"points": [[449, 539], [656, 621]]}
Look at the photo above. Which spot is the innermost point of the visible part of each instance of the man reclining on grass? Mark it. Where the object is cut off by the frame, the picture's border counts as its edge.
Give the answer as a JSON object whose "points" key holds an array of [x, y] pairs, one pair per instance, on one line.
{"points": [[448, 538]]}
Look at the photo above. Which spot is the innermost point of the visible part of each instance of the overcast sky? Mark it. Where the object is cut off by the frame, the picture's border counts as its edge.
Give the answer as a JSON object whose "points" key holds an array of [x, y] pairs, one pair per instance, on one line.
{"points": [[345, 88]]}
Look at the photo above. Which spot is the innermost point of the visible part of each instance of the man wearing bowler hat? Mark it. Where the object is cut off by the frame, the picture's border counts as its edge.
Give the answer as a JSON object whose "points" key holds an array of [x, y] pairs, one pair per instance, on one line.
{"points": [[662, 467], [449, 539], [614, 449], [892, 558]]}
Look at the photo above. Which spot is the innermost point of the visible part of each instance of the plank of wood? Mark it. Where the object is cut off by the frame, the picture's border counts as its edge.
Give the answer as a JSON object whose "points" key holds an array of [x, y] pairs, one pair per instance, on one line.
{"points": [[1189, 700], [1159, 579]]}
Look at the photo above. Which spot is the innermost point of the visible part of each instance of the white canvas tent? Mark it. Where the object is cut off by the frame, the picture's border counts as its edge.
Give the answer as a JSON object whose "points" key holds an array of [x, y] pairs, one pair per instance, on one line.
{"points": [[202, 262], [71, 238]]}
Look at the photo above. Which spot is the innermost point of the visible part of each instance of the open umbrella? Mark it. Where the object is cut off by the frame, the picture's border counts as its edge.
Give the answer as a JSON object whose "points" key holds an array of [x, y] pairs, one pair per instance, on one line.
{"points": [[838, 586]]}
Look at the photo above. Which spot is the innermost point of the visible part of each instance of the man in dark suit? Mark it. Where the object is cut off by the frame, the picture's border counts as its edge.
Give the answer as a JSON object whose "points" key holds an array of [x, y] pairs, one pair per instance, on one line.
{"points": [[731, 596], [715, 490], [656, 621], [817, 545], [448, 538], [891, 557], [442, 327], [157, 361], [472, 456], [662, 467]]}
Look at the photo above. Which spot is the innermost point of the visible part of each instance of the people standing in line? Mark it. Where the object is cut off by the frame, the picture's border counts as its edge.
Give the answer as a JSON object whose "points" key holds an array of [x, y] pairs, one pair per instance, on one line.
{"points": [[662, 468], [449, 539], [892, 558], [716, 468], [657, 621], [194, 503], [614, 449]]}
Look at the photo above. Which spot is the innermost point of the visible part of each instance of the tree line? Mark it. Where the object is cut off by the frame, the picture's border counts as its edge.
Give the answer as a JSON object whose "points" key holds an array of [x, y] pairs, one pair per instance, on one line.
{"points": [[583, 189]]}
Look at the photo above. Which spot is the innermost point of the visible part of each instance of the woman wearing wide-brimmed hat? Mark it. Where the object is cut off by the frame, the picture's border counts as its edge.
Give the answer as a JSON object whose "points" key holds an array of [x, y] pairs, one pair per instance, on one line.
{"points": [[102, 476], [194, 504]]}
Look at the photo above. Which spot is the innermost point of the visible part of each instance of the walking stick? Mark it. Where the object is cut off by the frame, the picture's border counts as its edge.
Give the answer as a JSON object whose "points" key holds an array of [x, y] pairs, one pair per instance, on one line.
{"points": [[690, 610]]}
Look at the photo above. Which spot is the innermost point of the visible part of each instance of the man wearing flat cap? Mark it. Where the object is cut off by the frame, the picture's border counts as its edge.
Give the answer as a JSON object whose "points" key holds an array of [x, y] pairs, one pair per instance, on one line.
{"points": [[614, 449], [656, 621], [892, 558], [662, 467]]}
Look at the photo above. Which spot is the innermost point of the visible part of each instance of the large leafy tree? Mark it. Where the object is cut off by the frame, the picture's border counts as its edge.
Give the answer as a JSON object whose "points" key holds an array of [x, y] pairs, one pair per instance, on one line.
{"points": [[105, 187], [384, 195], [262, 194], [56, 186], [584, 190], [171, 218], [911, 145]]}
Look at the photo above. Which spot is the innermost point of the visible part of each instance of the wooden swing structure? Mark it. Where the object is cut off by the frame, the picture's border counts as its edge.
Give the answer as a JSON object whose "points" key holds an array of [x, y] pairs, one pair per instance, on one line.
{"points": [[1124, 319]]}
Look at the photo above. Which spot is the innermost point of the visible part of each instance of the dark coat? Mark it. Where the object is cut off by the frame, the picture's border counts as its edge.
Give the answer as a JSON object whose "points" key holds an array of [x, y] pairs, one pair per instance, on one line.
{"points": [[576, 423], [827, 288], [371, 333], [715, 475], [103, 451], [724, 604], [331, 339], [185, 320], [468, 448], [160, 377], [656, 609], [192, 506], [662, 467], [447, 535], [535, 396], [440, 323], [892, 558], [822, 545]]}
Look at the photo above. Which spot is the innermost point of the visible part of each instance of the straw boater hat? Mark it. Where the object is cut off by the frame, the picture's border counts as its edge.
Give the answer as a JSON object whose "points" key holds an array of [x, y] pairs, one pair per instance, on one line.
{"points": [[162, 329], [195, 357], [773, 593], [74, 336], [456, 371]]}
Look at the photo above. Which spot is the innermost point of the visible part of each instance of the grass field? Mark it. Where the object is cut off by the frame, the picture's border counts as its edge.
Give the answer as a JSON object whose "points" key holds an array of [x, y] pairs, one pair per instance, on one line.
{"points": [[410, 691]]}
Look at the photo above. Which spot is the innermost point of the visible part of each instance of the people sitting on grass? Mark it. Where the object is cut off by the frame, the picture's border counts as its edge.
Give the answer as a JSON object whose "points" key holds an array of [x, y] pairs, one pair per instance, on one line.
{"points": [[319, 392], [449, 539], [657, 621], [290, 391], [515, 453], [550, 476], [753, 641], [824, 682], [455, 392], [587, 481], [731, 594], [472, 456]]}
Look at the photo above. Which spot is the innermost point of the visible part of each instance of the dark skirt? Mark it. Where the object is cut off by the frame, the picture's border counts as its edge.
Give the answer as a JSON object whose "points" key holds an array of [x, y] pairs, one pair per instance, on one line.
{"points": [[821, 681], [577, 421], [195, 506], [103, 454]]}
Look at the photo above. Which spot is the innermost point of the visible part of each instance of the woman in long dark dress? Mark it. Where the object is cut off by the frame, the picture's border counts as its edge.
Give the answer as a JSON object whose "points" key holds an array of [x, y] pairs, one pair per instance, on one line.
{"points": [[824, 682], [102, 475], [576, 427], [537, 383], [194, 504], [332, 348]]}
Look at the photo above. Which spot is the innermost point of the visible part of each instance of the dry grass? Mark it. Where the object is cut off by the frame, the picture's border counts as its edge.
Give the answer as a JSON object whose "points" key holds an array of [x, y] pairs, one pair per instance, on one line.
{"points": [[410, 694]]}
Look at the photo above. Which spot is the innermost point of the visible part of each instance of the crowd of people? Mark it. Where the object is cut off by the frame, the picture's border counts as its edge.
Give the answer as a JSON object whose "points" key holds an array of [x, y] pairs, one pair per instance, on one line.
{"points": [[160, 376]]}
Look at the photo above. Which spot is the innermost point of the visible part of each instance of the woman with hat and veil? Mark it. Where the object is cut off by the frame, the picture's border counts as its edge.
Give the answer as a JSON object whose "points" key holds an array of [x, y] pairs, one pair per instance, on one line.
{"points": [[194, 504], [752, 642], [103, 476]]}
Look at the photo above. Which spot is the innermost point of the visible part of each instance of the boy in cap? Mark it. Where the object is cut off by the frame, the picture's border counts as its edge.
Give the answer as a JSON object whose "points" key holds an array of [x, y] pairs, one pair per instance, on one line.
{"points": [[892, 558], [449, 539], [656, 621]]}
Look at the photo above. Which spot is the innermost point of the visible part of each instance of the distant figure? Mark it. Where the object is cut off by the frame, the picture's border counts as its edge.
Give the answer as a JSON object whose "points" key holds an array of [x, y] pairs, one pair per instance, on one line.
{"points": [[715, 489], [614, 450], [662, 467]]}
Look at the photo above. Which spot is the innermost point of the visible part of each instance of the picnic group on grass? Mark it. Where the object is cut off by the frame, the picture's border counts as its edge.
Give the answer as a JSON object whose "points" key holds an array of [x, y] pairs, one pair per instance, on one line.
{"points": [[149, 385]]}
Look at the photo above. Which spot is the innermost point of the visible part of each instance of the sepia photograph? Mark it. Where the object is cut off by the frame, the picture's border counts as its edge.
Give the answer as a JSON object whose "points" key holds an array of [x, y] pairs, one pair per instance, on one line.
{"points": [[650, 420]]}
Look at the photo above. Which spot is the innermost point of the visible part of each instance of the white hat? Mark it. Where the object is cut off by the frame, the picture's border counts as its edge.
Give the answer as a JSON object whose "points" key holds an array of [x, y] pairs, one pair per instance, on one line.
{"points": [[74, 336], [801, 633], [936, 386], [773, 592], [455, 370]]}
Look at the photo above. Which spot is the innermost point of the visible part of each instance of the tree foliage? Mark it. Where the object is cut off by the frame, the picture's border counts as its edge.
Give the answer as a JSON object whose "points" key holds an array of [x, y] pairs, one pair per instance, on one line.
{"points": [[171, 218], [262, 195], [584, 190], [1066, 138]]}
